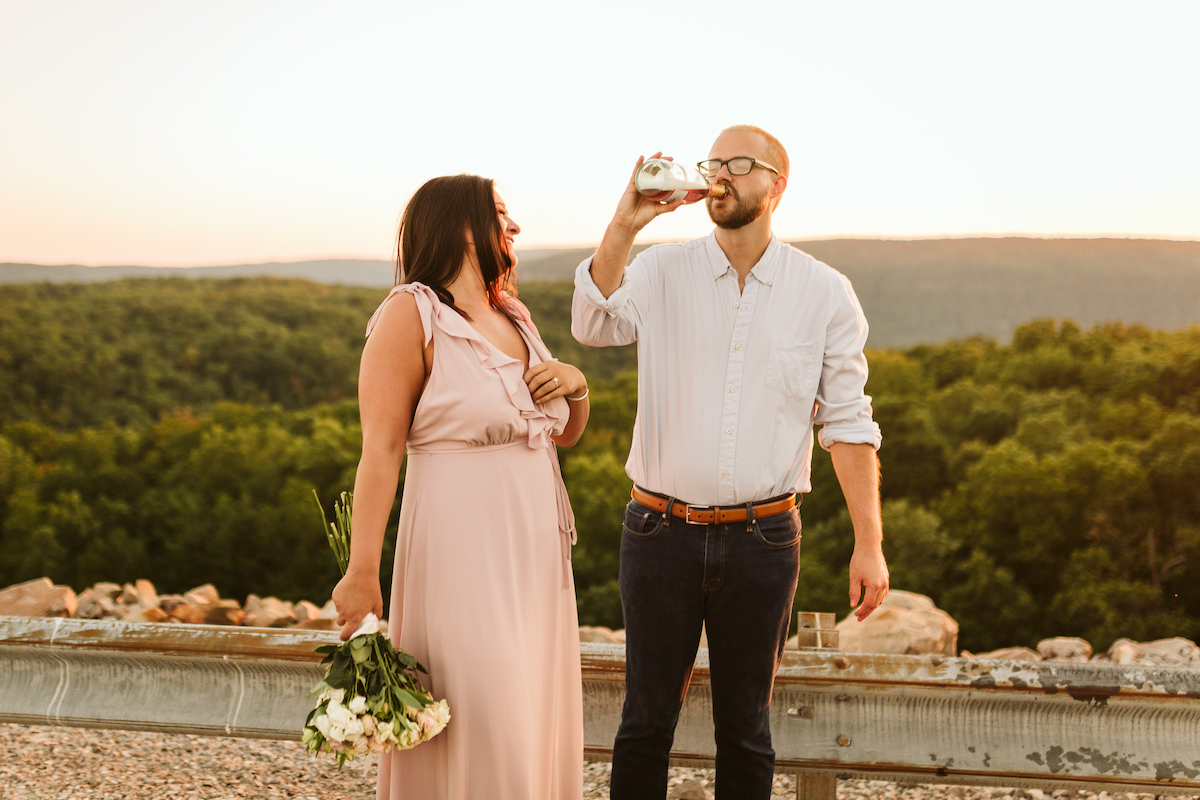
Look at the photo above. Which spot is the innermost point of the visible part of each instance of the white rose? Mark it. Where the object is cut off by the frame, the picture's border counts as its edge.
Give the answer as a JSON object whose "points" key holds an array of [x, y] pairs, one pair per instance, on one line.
{"points": [[436, 717], [338, 695], [386, 732], [310, 737], [427, 720], [323, 723], [358, 705], [369, 625], [338, 713], [336, 735], [354, 730], [408, 738]]}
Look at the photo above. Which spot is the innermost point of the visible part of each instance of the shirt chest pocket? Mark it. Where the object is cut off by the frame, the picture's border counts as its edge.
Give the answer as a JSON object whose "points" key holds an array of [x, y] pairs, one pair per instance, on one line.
{"points": [[792, 367]]}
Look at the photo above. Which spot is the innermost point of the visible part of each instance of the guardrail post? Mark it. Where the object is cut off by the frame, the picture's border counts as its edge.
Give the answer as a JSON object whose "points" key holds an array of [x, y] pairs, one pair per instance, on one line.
{"points": [[816, 787]]}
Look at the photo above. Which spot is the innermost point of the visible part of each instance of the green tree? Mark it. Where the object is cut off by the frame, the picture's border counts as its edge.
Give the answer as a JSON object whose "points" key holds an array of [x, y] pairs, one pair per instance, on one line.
{"points": [[599, 490]]}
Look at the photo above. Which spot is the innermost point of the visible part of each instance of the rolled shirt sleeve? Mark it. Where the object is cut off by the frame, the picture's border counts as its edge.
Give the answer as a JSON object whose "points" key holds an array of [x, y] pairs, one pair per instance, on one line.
{"points": [[615, 320], [843, 409]]}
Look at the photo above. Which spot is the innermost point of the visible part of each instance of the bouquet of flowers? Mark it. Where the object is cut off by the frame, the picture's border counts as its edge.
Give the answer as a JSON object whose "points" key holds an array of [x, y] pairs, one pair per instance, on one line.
{"points": [[371, 700]]}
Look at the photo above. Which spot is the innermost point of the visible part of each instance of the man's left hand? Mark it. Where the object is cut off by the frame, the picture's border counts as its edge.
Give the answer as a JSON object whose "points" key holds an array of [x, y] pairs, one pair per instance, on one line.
{"points": [[868, 580]]}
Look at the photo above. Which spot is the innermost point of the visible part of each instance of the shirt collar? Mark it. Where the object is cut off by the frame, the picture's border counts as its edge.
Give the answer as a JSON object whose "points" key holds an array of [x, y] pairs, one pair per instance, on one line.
{"points": [[763, 271]]}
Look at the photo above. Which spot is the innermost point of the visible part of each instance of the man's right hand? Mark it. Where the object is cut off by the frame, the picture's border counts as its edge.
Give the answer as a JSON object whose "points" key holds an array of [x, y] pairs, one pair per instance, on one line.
{"points": [[355, 596], [635, 210]]}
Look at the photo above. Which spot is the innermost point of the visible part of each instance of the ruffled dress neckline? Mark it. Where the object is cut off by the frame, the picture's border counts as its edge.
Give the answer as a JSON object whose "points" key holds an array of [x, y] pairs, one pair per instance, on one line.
{"points": [[542, 419]]}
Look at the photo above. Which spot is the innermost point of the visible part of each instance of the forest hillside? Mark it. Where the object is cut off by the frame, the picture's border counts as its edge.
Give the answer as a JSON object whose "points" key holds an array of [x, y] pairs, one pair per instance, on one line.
{"points": [[1046, 484], [923, 291]]}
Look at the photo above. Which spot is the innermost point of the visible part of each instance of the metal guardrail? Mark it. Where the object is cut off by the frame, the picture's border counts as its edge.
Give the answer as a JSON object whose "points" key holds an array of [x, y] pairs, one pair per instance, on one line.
{"points": [[834, 715]]}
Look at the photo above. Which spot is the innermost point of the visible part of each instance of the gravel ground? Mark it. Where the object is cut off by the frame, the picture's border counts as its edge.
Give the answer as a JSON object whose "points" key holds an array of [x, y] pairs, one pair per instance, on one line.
{"points": [[42, 763]]}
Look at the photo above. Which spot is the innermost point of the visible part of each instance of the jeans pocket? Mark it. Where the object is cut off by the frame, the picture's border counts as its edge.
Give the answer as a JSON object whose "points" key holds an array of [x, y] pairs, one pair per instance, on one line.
{"points": [[779, 531], [641, 522]]}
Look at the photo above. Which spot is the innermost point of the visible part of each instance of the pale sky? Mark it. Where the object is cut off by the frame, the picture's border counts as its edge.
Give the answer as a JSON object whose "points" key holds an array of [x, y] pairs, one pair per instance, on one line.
{"points": [[224, 132]]}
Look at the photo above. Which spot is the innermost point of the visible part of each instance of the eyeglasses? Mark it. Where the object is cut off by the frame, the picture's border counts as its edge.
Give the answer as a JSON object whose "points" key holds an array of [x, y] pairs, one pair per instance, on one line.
{"points": [[741, 165]]}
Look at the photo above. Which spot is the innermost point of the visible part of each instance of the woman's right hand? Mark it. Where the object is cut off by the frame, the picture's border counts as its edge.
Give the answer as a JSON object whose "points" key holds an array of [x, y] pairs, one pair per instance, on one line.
{"points": [[355, 596]]}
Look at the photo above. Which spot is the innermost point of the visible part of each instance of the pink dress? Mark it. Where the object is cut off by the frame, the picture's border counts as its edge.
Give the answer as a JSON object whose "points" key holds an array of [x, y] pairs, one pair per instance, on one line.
{"points": [[482, 593]]}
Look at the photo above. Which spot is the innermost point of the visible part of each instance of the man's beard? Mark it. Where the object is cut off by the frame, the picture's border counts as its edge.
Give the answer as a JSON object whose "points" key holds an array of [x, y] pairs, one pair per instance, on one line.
{"points": [[744, 211]]}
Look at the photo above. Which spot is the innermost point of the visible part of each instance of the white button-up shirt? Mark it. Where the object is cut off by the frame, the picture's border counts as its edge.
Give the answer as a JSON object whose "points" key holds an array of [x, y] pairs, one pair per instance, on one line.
{"points": [[730, 383]]}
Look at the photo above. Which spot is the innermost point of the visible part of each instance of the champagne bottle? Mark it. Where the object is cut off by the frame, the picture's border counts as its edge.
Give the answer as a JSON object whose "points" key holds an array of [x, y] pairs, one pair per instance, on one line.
{"points": [[668, 181]]}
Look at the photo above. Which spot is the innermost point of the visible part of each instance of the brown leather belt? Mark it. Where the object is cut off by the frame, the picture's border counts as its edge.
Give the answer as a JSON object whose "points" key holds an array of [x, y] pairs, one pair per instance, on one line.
{"points": [[712, 515]]}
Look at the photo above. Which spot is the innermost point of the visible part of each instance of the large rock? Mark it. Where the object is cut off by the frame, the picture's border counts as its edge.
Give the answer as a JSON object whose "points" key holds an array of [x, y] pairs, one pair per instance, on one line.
{"points": [[596, 635], [139, 614], [1176, 652], [189, 612], [107, 590], [87, 606], [906, 624], [170, 602], [99, 602], [316, 624], [204, 606], [1006, 654], [268, 612], [147, 596], [124, 612], [1064, 648], [687, 789], [38, 598], [202, 595], [222, 612], [306, 611]]}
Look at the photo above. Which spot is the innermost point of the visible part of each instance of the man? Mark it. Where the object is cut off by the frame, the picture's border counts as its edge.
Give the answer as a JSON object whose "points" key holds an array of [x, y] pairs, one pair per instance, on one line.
{"points": [[743, 344]]}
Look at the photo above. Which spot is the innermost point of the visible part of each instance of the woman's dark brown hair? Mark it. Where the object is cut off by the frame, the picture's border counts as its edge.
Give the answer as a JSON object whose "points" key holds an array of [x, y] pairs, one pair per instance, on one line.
{"points": [[432, 244]]}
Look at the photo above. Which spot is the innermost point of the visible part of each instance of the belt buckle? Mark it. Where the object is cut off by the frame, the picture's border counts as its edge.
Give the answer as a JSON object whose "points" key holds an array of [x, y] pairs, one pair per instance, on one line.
{"points": [[687, 515]]}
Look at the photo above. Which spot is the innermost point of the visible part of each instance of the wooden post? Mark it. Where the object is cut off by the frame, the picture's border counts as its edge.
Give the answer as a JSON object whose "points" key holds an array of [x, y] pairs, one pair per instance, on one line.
{"points": [[816, 630], [816, 787]]}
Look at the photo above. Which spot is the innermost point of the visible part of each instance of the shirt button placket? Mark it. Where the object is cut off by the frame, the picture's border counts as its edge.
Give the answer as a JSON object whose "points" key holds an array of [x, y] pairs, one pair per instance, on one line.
{"points": [[743, 306]]}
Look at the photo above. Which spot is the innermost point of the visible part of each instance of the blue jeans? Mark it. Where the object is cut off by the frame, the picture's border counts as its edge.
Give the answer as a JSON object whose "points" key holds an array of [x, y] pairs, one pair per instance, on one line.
{"points": [[738, 580]]}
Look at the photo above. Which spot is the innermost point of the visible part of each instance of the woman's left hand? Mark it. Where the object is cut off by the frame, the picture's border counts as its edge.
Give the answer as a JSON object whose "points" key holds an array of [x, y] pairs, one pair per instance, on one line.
{"points": [[552, 379]]}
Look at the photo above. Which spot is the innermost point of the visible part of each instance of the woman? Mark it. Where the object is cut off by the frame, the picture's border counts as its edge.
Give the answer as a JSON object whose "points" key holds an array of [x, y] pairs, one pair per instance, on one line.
{"points": [[482, 592]]}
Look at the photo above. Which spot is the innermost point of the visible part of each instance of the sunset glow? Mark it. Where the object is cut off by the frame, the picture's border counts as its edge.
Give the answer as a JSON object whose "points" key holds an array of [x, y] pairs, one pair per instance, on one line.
{"points": [[223, 132]]}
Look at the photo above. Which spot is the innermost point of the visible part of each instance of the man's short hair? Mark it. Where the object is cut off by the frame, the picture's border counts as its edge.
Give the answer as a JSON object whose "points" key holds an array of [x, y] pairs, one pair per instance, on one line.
{"points": [[775, 150]]}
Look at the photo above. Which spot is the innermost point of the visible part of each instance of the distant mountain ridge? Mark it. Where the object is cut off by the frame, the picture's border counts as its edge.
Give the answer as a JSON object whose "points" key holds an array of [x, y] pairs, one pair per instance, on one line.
{"points": [[348, 271], [913, 291], [534, 264]]}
